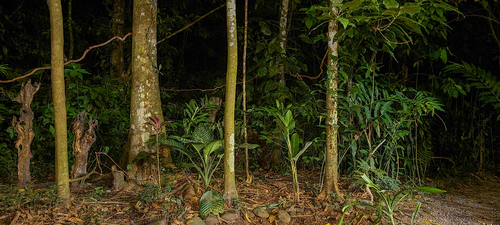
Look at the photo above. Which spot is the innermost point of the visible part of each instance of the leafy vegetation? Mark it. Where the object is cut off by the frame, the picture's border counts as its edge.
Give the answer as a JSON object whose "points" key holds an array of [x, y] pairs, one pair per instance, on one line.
{"points": [[407, 109]]}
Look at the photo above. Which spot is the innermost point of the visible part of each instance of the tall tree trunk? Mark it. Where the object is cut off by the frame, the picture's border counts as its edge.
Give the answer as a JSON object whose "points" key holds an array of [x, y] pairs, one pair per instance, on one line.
{"points": [[145, 90], [283, 35], [230, 191], [59, 98], [117, 63], [248, 176], [331, 167], [24, 130], [70, 30]]}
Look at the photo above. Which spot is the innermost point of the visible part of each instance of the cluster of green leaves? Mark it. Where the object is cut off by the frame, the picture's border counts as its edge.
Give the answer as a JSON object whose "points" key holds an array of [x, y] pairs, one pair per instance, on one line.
{"points": [[388, 202], [198, 142], [487, 84], [377, 123]]}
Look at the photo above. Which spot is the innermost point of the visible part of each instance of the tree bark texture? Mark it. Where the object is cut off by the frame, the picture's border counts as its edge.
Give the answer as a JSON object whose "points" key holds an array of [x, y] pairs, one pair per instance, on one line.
{"points": [[117, 61], [331, 167], [84, 138], [24, 130], [230, 191], [283, 35], [145, 90], [59, 98]]}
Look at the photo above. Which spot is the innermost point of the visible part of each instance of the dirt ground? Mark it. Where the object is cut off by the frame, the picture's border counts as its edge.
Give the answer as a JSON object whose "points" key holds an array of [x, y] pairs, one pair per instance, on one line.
{"points": [[474, 199]]}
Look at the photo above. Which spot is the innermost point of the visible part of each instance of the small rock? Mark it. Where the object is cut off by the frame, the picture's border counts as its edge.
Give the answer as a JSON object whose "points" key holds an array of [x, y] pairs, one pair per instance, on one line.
{"points": [[283, 216], [230, 216], [195, 221], [211, 220], [261, 212]]}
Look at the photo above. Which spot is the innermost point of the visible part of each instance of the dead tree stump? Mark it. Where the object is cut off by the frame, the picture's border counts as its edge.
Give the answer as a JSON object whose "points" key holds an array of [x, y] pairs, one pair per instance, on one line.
{"points": [[84, 138], [24, 130]]}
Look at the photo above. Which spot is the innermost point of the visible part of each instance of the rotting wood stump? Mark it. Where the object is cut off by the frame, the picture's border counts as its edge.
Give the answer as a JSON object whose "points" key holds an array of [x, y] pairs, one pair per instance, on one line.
{"points": [[24, 130], [84, 138]]}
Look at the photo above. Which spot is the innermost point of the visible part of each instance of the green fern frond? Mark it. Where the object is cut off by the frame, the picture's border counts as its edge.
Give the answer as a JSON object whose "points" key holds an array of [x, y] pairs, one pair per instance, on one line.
{"points": [[483, 80]]}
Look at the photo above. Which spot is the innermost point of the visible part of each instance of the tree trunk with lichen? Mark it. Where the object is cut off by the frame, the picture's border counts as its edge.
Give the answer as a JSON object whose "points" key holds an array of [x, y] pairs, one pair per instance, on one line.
{"points": [[145, 92], [84, 138], [24, 130], [331, 166], [230, 191], [59, 99]]}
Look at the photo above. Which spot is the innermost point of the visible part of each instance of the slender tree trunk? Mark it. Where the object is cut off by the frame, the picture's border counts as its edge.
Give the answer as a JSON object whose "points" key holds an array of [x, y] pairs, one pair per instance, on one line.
{"points": [[59, 98], [145, 90], [24, 130], [283, 35], [331, 168], [248, 176], [70, 30], [230, 191], [117, 62]]}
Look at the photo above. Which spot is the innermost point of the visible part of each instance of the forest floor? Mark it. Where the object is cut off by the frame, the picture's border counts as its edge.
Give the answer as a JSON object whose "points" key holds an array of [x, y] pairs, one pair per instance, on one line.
{"points": [[473, 199]]}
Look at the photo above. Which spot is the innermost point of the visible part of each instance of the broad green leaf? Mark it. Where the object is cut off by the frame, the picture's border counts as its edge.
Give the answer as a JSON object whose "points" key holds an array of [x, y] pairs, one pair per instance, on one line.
{"points": [[211, 202], [444, 56], [391, 4], [295, 142], [306, 146], [343, 21], [212, 147], [410, 9], [309, 21], [352, 4], [430, 190]]}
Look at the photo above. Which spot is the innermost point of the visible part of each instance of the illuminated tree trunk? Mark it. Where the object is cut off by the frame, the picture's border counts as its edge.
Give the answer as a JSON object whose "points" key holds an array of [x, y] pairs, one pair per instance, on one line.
{"points": [[145, 91], [230, 191], [332, 164], [59, 98]]}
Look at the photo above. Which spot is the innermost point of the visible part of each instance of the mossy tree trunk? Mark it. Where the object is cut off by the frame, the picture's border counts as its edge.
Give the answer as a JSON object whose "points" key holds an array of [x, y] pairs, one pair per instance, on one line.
{"points": [[145, 91], [230, 191], [59, 98], [332, 164]]}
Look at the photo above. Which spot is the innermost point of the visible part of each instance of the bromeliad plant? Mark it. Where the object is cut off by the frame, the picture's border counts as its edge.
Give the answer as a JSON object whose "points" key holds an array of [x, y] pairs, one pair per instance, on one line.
{"points": [[289, 135], [205, 146]]}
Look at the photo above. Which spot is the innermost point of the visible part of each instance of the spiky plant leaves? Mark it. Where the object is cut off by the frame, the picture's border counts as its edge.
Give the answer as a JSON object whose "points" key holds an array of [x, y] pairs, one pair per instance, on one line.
{"points": [[211, 202]]}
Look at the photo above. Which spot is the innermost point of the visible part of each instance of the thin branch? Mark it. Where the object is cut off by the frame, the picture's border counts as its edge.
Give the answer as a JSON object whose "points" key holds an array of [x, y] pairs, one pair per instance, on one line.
{"points": [[70, 61], [190, 24]]}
